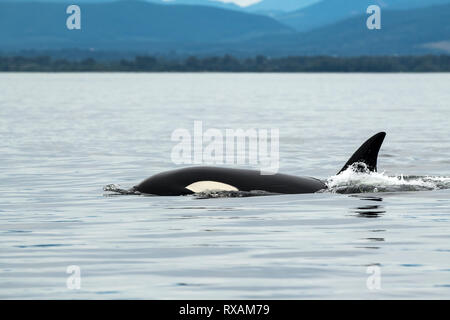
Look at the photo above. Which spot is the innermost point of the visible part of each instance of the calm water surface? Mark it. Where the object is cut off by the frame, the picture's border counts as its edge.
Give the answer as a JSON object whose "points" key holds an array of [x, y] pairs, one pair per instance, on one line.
{"points": [[65, 136]]}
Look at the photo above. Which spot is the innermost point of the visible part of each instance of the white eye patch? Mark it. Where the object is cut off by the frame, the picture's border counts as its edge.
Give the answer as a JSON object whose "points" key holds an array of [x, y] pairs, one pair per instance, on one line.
{"points": [[202, 186]]}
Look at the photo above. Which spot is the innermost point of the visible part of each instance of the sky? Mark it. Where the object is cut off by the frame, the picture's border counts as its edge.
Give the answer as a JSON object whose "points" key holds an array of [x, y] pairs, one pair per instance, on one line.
{"points": [[242, 3]]}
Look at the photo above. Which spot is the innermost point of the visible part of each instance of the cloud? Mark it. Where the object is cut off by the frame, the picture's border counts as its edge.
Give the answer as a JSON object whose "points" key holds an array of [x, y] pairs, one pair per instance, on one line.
{"points": [[242, 3]]}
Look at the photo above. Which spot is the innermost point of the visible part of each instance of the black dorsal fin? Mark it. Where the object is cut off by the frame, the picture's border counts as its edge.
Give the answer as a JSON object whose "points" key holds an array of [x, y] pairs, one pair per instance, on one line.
{"points": [[367, 153]]}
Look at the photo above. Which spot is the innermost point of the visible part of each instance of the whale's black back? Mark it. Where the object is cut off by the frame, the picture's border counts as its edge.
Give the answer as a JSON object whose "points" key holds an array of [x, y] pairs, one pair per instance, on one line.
{"points": [[174, 182]]}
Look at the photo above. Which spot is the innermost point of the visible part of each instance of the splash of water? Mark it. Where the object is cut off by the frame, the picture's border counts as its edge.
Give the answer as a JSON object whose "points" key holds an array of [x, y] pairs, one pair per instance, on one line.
{"points": [[358, 179], [231, 194], [115, 189]]}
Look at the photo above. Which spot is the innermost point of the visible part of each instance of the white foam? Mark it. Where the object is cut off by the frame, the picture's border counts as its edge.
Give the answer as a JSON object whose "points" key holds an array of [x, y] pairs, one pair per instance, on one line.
{"points": [[354, 180]]}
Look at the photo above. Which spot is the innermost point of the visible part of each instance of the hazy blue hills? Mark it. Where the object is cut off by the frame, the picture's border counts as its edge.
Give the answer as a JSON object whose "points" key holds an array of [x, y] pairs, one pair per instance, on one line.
{"points": [[416, 31], [327, 12], [409, 32], [265, 6], [148, 28], [262, 6], [127, 25]]}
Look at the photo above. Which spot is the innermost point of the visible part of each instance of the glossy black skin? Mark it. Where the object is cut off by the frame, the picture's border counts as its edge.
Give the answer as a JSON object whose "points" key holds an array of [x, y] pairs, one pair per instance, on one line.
{"points": [[173, 183]]}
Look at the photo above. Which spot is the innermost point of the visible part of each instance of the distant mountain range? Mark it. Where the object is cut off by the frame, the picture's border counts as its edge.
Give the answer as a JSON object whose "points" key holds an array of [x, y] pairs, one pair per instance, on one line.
{"points": [[410, 32], [127, 25], [333, 27], [268, 6], [327, 12]]}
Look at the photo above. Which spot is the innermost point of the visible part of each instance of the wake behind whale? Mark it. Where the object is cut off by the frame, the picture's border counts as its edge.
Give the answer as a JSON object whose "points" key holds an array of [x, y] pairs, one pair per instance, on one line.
{"points": [[356, 181], [358, 175]]}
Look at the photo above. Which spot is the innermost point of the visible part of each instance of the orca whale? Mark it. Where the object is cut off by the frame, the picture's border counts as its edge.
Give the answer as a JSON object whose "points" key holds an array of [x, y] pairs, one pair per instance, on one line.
{"points": [[198, 179]]}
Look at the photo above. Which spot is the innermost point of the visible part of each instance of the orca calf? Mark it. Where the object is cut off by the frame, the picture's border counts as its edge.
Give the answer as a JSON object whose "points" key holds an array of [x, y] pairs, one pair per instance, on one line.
{"points": [[199, 179]]}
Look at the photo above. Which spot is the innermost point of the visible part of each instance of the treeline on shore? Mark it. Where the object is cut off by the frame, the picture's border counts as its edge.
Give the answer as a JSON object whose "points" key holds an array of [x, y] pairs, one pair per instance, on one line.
{"points": [[228, 63]]}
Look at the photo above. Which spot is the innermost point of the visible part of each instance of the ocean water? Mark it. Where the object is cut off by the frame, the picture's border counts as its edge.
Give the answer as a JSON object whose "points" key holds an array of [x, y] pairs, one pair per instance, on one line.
{"points": [[64, 137]]}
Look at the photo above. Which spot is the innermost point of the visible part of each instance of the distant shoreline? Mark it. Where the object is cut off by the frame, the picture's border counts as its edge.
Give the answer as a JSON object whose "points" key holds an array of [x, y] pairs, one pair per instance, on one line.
{"points": [[228, 63]]}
